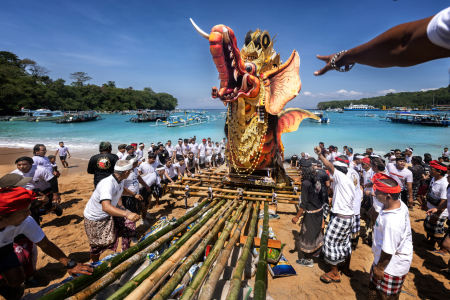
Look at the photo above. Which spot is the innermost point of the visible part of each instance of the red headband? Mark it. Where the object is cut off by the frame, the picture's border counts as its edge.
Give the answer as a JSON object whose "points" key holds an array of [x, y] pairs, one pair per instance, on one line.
{"points": [[342, 160], [366, 160], [382, 187], [18, 198], [435, 164]]}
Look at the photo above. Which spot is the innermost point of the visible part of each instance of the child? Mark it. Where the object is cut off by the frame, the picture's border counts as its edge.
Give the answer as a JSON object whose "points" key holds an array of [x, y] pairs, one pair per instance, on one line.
{"points": [[52, 160], [446, 154], [441, 160]]}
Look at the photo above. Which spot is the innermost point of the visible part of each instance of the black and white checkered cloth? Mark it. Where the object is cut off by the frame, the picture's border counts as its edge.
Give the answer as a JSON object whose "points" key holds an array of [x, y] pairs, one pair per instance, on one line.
{"points": [[437, 229], [356, 226], [326, 210], [337, 243]]}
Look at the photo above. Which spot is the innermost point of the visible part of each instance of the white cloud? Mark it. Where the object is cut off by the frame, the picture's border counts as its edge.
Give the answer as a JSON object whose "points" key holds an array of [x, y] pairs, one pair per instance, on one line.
{"points": [[307, 93], [430, 89], [384, 92]]}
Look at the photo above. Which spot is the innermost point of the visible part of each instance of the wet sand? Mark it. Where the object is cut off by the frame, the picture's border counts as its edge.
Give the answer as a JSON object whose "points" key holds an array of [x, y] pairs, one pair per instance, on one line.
{"points": [[426, 279]]}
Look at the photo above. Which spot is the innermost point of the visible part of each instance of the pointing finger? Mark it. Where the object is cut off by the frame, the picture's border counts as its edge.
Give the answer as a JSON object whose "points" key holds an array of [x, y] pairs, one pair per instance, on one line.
{"points": [[323, 71]]}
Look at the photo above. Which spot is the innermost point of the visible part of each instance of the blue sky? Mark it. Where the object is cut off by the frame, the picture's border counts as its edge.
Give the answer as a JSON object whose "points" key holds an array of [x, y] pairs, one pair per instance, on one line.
{"points": [[152, 43]]}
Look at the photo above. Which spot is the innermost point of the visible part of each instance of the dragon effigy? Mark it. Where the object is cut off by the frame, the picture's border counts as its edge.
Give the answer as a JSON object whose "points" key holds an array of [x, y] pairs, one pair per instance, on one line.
{"points": [[255, 85]]}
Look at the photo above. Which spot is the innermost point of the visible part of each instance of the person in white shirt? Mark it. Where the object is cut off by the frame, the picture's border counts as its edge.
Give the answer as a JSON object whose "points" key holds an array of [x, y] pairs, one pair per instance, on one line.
{"points": [[408, 157], [170, 148], [202, 154], [140, 152], [150, 150], [63, 151], [392, 246], [367, 175], [153, 180], [355, 178], [186, 148], [104, 214], [15, 203], [404, 178], [40, 159], [122, 150], [223, 145], [349, 153], [436, 197], [43, 181], [209, 152], [170, 173], [355, 164], [337, 241], [446, 155], [178, 148], [181, 167], [149, 166], [131, 203], [193, 147]]}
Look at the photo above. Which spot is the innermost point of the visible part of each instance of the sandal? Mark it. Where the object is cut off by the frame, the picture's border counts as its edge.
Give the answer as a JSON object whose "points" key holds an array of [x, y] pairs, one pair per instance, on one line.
{"points": [[324, 279]]}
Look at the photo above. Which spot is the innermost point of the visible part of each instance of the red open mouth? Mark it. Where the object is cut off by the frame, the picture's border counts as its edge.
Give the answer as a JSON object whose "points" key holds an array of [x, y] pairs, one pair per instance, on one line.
{"points": [[236, 78]]}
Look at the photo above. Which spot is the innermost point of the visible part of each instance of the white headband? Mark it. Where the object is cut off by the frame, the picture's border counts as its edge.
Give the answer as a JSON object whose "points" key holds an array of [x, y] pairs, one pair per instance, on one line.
{"points": [[340, 164], [409, 149], [124, 168], [160, 168], [180, 140], [359, 156]]}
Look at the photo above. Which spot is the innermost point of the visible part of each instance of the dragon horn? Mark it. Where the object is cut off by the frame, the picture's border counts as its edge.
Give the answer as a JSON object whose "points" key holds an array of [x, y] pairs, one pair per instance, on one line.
{"points": [[202, 33]]}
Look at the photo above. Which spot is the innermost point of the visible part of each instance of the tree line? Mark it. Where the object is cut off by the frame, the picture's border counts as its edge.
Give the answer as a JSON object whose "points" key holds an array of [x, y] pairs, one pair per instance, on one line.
{"points": [[24, 83], [420, 100]]}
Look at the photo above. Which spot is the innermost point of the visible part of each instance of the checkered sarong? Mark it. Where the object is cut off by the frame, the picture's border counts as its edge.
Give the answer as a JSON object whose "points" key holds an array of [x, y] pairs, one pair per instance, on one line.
{"points": [[389, 285], [337, 244], [356, 227], [415, 189], [326, 210], [435, 230]]}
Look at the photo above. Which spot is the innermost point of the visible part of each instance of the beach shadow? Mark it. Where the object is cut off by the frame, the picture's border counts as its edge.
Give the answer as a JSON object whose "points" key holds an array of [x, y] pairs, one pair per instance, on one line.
{"points": [[70, 203], [63, 221], [427, 286], [70, 167], [69, 192], [359, 283], [296, 235]]}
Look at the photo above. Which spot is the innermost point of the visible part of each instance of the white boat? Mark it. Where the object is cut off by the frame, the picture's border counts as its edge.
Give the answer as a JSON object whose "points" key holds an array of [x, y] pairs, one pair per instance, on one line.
{"points": [[24, 117], [45, 115], [333, 110], [323, 117], [361, 107]]}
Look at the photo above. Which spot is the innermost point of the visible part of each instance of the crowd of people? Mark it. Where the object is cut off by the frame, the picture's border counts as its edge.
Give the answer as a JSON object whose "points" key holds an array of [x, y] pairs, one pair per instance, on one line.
{"points": [[379, 190]]}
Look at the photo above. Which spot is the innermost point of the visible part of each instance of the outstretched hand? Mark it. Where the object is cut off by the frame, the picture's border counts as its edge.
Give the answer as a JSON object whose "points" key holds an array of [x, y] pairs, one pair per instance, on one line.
{"points": [[327, 59], [317, 150]]}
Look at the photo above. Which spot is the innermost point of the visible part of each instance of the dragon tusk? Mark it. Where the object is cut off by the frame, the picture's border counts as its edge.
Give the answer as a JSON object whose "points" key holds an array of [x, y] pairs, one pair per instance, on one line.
{"points": [[202, 33], [225, 35]]}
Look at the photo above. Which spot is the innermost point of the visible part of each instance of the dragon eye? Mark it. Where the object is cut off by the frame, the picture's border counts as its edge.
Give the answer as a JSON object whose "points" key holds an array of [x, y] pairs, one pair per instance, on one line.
{"points": [[250, 68]]}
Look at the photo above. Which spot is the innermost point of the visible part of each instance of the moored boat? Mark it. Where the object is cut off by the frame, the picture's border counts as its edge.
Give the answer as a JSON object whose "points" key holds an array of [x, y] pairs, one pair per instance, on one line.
{"points": [[45, 115], [79, 117], [151, 116], [418, 119], [323, 117], [360, 107]]}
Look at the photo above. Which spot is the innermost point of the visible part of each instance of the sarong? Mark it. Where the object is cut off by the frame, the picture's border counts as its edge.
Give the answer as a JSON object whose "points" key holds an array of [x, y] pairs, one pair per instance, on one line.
{"points": [[435, 230], [326, 210], [356, 227], [415, 189], [337, 243], [27, 253], [133, 204], [390, 286], [104, 234], [311, 236]]}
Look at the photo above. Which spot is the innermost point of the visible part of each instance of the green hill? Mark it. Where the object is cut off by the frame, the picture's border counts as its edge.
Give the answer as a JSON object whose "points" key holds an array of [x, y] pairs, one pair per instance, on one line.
{"points": [[419, 100], [23, 83]]}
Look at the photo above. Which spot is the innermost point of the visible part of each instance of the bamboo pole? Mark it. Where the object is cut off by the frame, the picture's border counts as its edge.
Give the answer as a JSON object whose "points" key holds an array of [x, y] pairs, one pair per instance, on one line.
{"points": [[149, 283], [235, 284], [222, 260], [176, 278], [261, 272], [83, 281], [194, 287], [114, 274], [232, 197], [131, 285], [290, 196]]}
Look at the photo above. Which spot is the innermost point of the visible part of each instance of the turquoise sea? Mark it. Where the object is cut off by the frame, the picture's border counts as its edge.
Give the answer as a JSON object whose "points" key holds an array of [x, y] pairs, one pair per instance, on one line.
{"points": [[343, 129]]}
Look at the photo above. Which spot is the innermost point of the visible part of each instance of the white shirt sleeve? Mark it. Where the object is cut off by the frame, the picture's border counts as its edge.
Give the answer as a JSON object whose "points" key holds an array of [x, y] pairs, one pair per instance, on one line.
{"points": [[409, 177], [438, 29], [46, 174], [105, 190], [32, 230]]}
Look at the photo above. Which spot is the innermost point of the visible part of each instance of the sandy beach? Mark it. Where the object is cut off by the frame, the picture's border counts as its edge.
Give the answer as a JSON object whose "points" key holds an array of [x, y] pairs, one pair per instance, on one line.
{"points": [[426, 279]]}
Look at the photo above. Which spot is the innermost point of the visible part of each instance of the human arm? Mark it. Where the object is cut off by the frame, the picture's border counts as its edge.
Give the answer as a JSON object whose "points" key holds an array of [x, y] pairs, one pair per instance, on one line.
{"points": [[68, 153], [55, 252], [404, 45], [54, 186], [91, 166], [127, 192], [168, 177], [379, 268], [304, 204], [409, 186], [111, 210], [144, 184], [325, 162]]}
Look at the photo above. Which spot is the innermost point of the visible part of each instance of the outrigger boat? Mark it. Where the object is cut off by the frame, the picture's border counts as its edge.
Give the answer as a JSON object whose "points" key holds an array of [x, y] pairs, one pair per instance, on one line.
{"points": [[150, 116], [79, 117], [418, 119], [222, 115], [177, 121], [45, 115], [26, 114]]}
